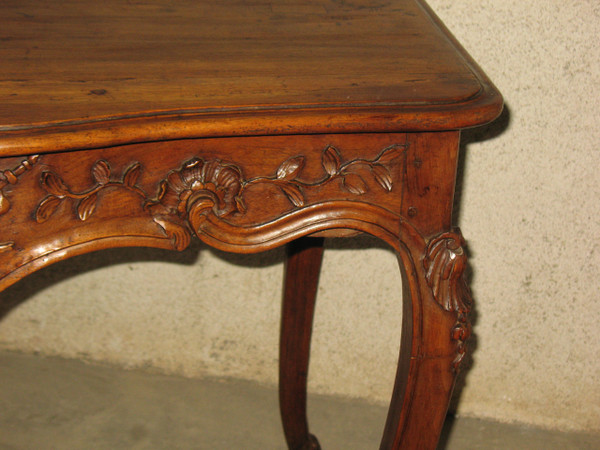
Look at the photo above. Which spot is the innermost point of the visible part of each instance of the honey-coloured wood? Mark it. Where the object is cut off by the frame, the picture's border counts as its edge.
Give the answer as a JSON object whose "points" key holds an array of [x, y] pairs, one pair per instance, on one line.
{"points": [[106, 73], [250, 125]]}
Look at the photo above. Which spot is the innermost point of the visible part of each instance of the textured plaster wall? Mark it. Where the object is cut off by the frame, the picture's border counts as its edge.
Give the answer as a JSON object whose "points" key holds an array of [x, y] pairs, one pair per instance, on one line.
{"points": [[529, 202]]}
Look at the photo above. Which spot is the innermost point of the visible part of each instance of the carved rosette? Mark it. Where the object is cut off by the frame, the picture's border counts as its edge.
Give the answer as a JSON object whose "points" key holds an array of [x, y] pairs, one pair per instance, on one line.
{"points": [[197, 188], [445, 262], [193, 191]]}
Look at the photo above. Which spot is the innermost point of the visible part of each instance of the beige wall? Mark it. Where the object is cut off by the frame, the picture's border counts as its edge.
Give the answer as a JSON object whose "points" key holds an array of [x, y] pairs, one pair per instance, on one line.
{"points": [[529, 209]]}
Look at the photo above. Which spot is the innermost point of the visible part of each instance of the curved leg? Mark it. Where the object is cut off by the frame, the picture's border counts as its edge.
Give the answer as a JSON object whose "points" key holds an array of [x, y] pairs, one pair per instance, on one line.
{"points": [[301, 279], [434, 331]]}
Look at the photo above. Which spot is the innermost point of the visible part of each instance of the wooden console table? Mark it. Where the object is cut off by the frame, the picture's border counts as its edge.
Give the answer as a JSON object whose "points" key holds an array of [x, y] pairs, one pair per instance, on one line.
{"points": [[249, 125]]}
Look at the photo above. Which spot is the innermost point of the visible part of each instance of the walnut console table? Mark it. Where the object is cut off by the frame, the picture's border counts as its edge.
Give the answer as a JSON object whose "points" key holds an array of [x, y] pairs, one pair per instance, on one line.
{"points": [[249, 125]]}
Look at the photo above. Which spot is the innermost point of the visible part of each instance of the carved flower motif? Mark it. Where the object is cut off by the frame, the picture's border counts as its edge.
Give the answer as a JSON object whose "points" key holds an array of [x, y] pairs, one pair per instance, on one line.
{"points": [[200, 185]]}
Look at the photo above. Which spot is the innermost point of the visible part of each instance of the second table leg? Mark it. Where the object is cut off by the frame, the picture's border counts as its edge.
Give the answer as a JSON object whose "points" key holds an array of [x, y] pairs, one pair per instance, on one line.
{"points": [[303, 264]]}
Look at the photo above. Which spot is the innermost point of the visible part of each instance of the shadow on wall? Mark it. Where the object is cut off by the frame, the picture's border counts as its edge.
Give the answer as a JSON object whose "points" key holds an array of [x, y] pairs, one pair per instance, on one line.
{"points": [[479, 134], [26, 288], [490, 131]]}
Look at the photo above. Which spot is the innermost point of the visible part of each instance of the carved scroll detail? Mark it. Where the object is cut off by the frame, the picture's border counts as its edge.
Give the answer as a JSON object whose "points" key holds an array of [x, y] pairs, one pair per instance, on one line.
{"points": [[12, 177], [445, 262]]}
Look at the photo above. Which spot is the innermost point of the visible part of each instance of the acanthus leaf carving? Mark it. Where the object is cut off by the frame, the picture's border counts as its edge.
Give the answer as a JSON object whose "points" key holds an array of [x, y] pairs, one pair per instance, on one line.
{"points": [[240, 204], [196, 179], [445, 262]]}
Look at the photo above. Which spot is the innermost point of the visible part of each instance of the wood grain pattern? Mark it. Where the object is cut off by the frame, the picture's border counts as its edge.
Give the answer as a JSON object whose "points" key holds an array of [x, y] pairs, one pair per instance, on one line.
{"points": [[106, 73]]}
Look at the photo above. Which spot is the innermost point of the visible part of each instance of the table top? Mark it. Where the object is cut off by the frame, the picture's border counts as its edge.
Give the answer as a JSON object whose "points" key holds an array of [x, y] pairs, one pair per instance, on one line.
{"points": [[78, 74]]}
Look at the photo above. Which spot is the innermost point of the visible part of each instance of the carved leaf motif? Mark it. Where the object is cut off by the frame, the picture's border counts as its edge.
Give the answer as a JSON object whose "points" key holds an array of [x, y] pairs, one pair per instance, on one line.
{"points": [[54, 184], [355, 184], [87, 206], [382, 176], [445, 263], [132, 174], [101, 172], [331, 160], [390, 153], [210, 170], [46, 208], [289, 169], [293, 193]]}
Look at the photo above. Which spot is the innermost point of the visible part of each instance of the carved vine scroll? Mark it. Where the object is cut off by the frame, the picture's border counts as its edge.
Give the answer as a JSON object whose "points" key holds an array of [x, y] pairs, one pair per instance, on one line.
{"points": [[201, 187], [86, 201]]}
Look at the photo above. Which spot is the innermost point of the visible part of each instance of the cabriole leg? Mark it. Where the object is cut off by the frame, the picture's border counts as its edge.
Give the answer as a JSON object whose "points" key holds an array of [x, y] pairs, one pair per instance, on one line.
{"points": [[303, 264], [434, 330]]}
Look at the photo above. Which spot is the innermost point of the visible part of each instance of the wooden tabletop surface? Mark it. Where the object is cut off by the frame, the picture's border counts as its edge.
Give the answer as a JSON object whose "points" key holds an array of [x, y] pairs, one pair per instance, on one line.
{"points": [[79, 73]]}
